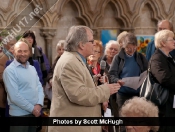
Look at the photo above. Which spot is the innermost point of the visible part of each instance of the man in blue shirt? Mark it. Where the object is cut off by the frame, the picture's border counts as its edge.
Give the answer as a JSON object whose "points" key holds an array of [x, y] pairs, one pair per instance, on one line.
{"points": [[24, 91], [162, 25]]}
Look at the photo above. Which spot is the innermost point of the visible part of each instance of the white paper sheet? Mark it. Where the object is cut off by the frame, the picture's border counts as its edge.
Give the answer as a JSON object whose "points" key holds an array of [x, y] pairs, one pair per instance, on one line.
{"points": [[134, 82], [33, 50], [108, 113]]}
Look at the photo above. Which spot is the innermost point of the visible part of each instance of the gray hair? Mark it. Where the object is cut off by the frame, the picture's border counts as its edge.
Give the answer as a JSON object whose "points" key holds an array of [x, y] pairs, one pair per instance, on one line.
{"points": [[130, 38], [121, 36], [108, 45], [61, 43], [76, 35]]}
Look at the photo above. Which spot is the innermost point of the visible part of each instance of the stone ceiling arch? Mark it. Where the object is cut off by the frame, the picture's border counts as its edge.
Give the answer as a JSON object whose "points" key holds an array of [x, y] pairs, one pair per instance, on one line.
{"points": [[121, 16], [82, 7], [155, 8], [171, 10], [145, 23], [6, 9], [45, 18], [9, 13], [158, 8], [70, 15]]}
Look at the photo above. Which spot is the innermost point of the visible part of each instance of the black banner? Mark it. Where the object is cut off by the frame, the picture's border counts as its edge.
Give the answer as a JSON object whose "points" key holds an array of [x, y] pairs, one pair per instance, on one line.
{"points": [[88, 121]]}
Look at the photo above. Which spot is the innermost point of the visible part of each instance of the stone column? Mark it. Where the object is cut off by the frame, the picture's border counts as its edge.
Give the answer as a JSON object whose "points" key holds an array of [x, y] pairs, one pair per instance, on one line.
{"points": [[96, 33], [48, 34]]}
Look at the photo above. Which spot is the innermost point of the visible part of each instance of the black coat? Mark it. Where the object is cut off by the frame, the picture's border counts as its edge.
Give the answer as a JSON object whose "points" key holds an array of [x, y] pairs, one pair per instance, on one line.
{"points": [[163, 69]]}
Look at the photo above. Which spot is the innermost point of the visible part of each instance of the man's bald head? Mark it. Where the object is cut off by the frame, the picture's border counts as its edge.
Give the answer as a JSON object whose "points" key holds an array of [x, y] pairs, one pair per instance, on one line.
{"points": [[165, 24], [21, 52], [19, 43]]}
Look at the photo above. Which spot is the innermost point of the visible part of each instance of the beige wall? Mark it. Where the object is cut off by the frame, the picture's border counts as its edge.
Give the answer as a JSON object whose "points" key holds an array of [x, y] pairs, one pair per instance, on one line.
{"points": [[139, 16]]}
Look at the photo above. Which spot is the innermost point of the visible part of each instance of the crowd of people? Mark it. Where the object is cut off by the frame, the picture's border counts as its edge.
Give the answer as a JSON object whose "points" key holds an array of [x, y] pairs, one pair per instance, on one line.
{"points": [[75, 84]]}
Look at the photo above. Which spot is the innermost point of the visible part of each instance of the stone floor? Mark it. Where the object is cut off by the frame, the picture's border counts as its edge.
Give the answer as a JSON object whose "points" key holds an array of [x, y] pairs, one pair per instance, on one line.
{"points": [[44, 129]]}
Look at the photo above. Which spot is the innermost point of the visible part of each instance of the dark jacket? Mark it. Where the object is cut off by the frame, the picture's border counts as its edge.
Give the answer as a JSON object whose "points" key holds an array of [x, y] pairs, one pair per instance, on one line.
{"points": [[150, 50], [118, 64], [43, 61], [163, 69], [50, 74]]}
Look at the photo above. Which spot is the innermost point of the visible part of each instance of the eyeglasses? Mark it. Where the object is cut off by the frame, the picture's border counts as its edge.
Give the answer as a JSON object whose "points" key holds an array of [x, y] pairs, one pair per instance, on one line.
{"points": [[171, 40], [95, 51], [131, 49], [113, 49], [92, 41]]}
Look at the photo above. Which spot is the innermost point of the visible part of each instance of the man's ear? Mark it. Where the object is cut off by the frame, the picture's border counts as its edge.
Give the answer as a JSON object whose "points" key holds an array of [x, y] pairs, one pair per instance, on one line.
{"points": [[81, 45]]}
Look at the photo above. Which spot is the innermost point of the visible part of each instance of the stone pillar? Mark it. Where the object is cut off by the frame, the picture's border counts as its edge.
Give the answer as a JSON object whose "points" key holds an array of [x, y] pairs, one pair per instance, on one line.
{"points": [[96, 34], [48, 34]]}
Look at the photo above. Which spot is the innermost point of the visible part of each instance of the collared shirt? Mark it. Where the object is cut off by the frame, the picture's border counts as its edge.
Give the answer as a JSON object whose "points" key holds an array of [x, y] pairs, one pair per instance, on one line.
{"points": [[23, 87], [82, 57]]}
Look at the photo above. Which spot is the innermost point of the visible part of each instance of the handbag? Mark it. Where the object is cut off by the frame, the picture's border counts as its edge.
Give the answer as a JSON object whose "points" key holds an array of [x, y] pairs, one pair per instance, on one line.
{"points": [[153, 91]]}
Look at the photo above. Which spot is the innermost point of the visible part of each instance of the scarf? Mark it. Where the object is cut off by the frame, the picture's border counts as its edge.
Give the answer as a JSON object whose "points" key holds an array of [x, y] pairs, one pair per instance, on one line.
{"points": [[8, 54], [38, 55]]}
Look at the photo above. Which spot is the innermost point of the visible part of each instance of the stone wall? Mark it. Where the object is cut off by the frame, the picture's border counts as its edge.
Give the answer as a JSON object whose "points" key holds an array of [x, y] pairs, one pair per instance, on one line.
{"points": [[138, 16]]}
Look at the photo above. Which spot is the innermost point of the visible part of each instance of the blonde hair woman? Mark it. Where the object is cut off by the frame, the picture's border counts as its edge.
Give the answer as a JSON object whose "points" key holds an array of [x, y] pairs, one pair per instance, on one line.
{"points": [[163, 70]]}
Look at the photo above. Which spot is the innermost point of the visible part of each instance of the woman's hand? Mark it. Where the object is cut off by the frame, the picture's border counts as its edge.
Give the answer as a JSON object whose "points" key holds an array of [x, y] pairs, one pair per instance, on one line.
{"points": [[101, 79], [96, 77], [105, 105], [121, 82]]}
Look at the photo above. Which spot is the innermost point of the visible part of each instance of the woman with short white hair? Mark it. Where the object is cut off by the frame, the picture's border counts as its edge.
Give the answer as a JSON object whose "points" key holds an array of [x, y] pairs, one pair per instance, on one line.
{"points": [[163, 69], [111, 49], [139, 107]]}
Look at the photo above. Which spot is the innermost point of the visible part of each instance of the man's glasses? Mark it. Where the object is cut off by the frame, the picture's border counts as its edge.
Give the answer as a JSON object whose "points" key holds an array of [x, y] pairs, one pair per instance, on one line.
{"points": [[92, 41], [131, 49]]}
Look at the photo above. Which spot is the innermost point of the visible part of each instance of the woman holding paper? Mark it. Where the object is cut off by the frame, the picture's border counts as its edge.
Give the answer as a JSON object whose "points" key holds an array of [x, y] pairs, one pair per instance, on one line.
{"points": [[128, 63], [163, 69]]}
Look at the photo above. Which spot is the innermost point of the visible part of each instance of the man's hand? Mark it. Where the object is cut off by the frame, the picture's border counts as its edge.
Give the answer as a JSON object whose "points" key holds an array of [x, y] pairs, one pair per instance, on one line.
{"points": [[114, 87], [37, 110]]}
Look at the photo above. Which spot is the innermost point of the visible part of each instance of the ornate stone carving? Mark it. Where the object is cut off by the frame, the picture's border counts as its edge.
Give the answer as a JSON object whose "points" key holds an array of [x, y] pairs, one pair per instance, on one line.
{"points": [[127, 15], [48, 34]]}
